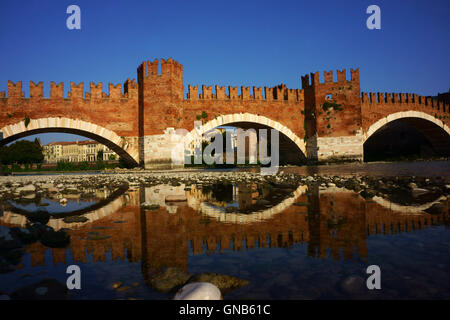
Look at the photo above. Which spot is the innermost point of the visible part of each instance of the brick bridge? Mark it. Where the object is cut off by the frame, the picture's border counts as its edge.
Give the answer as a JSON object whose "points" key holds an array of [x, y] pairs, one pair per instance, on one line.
{"points": [[324, 121]]}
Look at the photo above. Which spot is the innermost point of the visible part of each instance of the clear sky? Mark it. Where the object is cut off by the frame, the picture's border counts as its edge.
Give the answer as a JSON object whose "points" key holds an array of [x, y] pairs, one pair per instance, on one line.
{"points": [[261, 43]]}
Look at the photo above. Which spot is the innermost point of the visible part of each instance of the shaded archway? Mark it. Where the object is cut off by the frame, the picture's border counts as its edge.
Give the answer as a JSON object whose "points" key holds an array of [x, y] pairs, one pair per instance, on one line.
{"points": [[125, 149], [410, 133], [292, 148]]}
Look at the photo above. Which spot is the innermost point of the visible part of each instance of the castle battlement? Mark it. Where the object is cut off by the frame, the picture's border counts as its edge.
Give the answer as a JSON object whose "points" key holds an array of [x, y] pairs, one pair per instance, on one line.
{"points": [[76, 91], [380, 99], [149, 68], [278, 93], [311, 80]]}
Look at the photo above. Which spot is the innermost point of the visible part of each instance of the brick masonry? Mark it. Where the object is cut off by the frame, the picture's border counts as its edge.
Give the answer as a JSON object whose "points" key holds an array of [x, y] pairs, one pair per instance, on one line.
{"points": [[324, 121]]}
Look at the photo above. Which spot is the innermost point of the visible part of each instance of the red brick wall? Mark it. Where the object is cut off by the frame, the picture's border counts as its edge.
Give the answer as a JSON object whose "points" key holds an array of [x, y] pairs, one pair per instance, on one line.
{"points": [[162, 103], [375, 106], [346, 93], [117, 112], [157, 102]]}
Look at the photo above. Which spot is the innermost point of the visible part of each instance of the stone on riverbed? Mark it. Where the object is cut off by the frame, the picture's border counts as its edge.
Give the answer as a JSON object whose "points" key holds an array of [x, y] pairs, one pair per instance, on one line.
{"points": [[353, 285], [47, 186], [169, 279], [222, 281], [48, 289], [199, 291], [412, 185], [368, 193], [27, 189]]}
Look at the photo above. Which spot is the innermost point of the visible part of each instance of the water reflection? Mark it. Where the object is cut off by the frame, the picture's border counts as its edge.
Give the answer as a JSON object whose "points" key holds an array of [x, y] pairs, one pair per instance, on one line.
{"points": [[334, 224], [94, 205]]}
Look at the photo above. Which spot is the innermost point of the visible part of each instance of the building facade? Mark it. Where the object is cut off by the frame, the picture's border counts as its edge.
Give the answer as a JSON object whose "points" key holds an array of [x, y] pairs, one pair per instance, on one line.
{"points": [[76, 151]]}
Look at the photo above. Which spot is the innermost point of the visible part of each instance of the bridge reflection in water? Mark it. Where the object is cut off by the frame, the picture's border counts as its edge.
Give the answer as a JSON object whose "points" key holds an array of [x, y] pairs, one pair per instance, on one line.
{"points": [[333, 223]]}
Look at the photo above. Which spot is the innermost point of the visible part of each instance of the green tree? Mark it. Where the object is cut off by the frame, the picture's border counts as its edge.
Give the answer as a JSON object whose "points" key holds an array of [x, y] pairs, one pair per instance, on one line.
{"points": [[99, 155], [100, 163], [4, 155], [23, 151]]}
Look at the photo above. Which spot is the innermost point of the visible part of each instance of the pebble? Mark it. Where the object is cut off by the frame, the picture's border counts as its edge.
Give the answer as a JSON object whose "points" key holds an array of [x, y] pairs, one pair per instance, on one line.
{"points": [[41, 291], [199, 291]]}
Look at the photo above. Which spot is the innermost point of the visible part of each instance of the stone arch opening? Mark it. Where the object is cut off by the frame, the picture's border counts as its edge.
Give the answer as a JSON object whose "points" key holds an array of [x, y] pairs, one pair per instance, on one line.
{"points": [[407, 134], [292, 149], [120, 145]]}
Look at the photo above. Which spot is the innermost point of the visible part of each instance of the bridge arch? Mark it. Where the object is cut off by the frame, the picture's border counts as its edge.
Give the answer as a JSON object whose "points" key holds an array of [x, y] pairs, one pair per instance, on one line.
{"points": [[125, 149], [434, 129], [249, 120]]}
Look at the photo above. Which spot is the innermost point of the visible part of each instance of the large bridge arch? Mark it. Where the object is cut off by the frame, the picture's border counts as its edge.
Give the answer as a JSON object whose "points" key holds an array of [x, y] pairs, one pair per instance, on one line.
{"points": [[434, 129], [249, 120], [127, 150]]}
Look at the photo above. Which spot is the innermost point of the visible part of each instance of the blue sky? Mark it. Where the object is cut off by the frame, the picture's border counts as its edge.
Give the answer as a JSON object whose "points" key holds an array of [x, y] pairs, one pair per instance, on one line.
{"points": [[261, 43]]}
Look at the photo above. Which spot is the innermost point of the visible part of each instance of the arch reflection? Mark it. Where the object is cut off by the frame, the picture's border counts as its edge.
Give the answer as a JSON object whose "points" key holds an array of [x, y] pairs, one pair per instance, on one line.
{"points": [[333, 224]]}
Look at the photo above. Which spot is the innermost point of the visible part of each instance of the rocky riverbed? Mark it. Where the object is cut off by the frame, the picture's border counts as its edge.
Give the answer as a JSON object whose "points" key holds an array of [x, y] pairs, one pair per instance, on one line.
{"points": [[401, 190], [406, 190]]}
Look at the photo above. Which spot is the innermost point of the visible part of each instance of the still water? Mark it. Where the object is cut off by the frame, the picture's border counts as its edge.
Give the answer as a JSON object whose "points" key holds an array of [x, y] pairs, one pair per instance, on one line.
{"points": [[288, 243]]}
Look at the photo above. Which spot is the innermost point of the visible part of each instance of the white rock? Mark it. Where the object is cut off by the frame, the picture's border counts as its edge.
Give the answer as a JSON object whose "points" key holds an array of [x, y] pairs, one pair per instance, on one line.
{"points": [[412, 185], [199, 291], [52, 190], [28, 188]]}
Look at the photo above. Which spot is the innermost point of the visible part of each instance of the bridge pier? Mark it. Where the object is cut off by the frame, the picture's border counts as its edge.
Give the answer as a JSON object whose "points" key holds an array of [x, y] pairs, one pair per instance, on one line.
{"points": [[161, 151], [335, 149]]}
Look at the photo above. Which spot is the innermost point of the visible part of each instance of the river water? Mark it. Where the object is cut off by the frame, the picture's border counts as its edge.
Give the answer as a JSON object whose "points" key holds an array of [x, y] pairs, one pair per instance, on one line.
{"points": [[294, 242]]}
